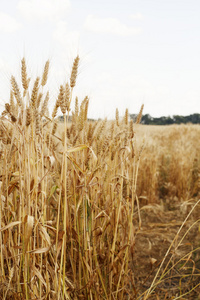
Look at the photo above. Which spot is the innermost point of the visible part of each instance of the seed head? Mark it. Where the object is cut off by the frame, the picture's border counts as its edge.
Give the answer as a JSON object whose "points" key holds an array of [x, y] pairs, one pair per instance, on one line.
{"points": [[74, 72]]}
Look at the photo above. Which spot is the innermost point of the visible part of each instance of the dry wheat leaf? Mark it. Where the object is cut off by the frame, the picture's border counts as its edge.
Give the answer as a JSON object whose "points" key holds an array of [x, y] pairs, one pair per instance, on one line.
{"points": [[39, 275], [40, 250], [43, 230], [75, 164], [77, 148], [10, 225]]}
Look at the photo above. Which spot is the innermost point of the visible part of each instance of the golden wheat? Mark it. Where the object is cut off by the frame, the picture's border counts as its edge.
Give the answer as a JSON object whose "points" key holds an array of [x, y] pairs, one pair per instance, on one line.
{"points": [[71, 194]]}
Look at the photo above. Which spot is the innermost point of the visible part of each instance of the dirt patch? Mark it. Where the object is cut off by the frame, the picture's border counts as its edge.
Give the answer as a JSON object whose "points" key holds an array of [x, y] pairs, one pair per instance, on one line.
{"points": [[158, 246]]}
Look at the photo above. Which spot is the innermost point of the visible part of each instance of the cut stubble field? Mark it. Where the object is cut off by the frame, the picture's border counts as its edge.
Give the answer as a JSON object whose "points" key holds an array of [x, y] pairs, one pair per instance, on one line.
{"points": [[94, 210]]}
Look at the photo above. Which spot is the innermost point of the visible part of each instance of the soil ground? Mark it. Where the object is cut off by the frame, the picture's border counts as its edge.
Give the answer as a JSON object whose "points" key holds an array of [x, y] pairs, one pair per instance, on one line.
{"points": [[159, 227]]}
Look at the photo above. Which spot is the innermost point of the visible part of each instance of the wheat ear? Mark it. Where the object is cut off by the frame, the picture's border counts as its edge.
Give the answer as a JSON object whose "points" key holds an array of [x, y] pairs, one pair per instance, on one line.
{"points": [[74, 72], [139, 117], [25, 81], [67, 96], [45, 73], [16, 91], [34, 94]]}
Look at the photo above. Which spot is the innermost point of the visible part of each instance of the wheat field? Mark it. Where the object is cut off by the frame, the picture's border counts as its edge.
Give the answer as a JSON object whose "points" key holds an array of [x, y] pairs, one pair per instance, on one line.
{"points": [[86, 205]]}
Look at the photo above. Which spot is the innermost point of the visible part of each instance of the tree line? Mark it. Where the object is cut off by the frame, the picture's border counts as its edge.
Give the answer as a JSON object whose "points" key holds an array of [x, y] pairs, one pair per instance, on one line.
{"points": [[176, 119]]}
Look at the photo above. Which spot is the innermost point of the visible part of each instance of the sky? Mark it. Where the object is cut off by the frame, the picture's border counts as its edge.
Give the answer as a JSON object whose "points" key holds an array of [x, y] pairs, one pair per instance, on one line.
{"points": [[132, 52]]}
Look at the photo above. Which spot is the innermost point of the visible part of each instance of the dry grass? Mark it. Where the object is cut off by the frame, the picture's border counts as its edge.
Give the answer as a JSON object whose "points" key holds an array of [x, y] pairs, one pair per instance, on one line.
{"points": [[79, 218]]}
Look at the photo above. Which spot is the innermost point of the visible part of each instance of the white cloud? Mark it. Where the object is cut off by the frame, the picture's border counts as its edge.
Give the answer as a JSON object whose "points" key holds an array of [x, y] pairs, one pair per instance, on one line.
{"points": [[65, 37], [43, 10], [109, 25], [8, 24], [137, 16]]}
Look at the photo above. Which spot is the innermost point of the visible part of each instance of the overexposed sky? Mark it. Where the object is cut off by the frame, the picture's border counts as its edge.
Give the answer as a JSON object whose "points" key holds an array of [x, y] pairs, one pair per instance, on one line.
{"points": [[132, 51]]}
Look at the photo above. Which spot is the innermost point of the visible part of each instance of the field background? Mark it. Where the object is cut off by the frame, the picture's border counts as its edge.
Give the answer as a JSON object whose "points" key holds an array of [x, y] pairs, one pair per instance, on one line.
{"points": [[168, 187]]}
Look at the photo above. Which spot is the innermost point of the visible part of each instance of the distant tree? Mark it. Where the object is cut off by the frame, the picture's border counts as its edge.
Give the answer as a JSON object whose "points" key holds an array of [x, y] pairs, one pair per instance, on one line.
{"points": [[133, 117], [176, 119], [195, 118], [169, 121], [179, 119], [146, 119]]}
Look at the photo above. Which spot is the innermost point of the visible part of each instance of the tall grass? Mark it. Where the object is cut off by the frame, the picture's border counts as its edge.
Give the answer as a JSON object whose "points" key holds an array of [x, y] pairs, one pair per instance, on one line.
{"points": [[68, 194]]}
